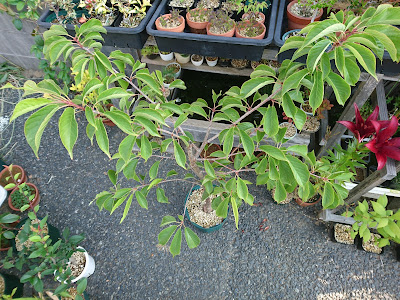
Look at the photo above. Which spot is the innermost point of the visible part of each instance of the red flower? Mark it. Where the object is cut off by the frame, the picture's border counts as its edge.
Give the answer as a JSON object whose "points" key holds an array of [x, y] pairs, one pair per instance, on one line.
{"points": [[382, 144], [362, 129]]}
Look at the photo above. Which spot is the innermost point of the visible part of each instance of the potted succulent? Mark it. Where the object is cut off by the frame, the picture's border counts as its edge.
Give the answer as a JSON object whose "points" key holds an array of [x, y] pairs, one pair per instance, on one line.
{"points": [[250, 29], [197, 19], [24, 194], [210, 4], [7, 176], [173, 22], [157, 116], [44, 256], [166, 55], [197, 60], [220, 24], [212, 61], [182, 58], [300, 15], [151, 52]]}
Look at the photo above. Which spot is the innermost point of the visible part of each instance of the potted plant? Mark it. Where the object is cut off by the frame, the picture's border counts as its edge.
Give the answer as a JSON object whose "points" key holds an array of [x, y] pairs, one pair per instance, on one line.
{"points": [[250, 29], [197, 19], [46, 257], [220, 24], [157, 116], [253, 10], [7, 176], [210, 4], [197, 60], [291, 130], [181, 3], [342, 233], [173, 22], [168, 77], [300, 14], [212, 61], [23, 194], [239, 63], [174, 68], [182, 58], [166, 55], [151, 52]]}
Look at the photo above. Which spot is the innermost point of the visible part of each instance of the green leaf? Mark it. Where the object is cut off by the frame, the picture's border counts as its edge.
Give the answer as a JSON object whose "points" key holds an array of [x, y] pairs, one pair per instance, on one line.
{"points": [[271, 122], [322, 29], [8, 218], [151, 114], [120, 119], [328, 197], [112, 175], [280, 192], [146, 149], [247, 142], [192, 239], [127, 207], [288, 106], [27, 105], [100, 58], [382, 200], [364, 56], [149, 81], [167, 220], [300, 118], [161, 196], [68, 129], [293, 81], [340, 87], [36, 124], [351, 71], [316, 53], [242, 189], [102, 138], [273, 151], [141, 199], [180, 156], [209, 169], [82, 283], [299, 170], [378, 208], [154, 170], [222, 209], [228, 141], [126, 146], [235, 211], [17, 23], [253, 85], [175, 247], [148, 125], [339, 59], [317, 91], [325, 65], [165, 234]]}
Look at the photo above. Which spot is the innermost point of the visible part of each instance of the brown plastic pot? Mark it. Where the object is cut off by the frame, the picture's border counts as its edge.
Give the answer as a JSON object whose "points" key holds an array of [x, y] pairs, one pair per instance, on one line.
{"points": [[230, 33], [306, 204], [5, 173], [197, 26], [258, 37], [35, 200], [179, 28], [298, 22]]}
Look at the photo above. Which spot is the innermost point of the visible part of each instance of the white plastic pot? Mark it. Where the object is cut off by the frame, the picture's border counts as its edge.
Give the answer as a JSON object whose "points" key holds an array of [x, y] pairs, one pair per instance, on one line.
{"points": [[3, 195], [89, 266], [182, 59], [289, 138], [212, 63], [177, 74], [167, 57], [307, 113], [197, 63]]}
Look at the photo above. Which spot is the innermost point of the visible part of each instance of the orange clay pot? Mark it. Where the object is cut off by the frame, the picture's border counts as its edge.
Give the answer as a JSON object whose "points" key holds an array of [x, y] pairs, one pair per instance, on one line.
{"points": [[258, 37], [298, 22], [179, 28]]}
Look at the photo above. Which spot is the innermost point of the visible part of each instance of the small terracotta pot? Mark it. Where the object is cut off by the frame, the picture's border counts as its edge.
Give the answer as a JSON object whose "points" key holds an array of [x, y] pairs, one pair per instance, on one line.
{"points": [[179, 28], [5, 173], [230, 33], [306, 204], [298, 22], [244, 17], [35, 200], [258, 37], [195, 25]]}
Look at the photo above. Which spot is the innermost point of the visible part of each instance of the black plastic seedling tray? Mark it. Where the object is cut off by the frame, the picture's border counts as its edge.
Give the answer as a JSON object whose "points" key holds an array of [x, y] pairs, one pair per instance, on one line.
{"points": [[116, 36], [207, 45]]}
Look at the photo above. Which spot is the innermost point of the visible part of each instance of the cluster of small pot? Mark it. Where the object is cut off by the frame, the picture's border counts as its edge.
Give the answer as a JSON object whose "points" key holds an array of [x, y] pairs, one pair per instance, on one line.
{"points": [[196, 59], [221, 25]]}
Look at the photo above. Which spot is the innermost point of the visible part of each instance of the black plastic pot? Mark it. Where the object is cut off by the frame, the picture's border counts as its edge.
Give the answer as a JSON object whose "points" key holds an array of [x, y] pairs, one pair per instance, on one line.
{"points": [[116, 36], [11, 282], [207, 45], [360, 247]]}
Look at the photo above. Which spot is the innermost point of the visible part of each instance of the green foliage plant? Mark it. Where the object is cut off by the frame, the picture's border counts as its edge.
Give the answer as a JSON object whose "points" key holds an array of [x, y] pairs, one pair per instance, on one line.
{"points": [[149, 50], [253, 8], [199, 14], [43, 257], [343, 38], [6, 228], [22, 196]]}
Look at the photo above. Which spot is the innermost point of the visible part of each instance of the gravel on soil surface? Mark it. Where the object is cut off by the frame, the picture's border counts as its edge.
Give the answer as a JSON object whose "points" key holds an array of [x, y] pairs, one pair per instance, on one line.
{"points": [[293, 259]]}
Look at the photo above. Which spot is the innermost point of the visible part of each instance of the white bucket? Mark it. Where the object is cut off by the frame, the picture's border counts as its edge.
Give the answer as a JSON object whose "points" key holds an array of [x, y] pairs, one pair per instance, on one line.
{"points": [[3, 195]]}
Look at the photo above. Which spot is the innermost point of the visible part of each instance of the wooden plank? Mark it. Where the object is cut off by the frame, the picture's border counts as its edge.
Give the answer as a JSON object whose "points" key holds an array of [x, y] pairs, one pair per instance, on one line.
{"points": [[203, 68], [374, 193], [372, 181], [361, 95], [328, 216], [198, 129]]}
